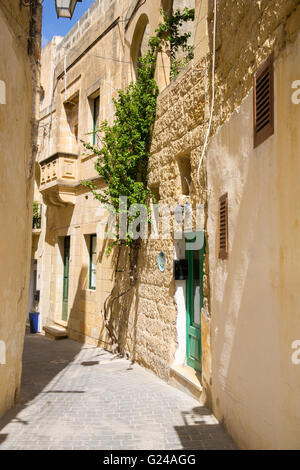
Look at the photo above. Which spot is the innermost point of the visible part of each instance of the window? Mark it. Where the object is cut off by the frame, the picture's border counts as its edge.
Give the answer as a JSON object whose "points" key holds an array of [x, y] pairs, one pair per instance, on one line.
{"points": [[184, 166], [96, 108], [263, 95], [223, 227], [93, 262]]}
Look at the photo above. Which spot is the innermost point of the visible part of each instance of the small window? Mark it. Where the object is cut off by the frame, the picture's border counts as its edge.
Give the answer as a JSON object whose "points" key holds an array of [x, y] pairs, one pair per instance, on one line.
{"points": [[263, 95], [155, 191], [223, 227], [93, 261], [96, 108], [184, 166]]}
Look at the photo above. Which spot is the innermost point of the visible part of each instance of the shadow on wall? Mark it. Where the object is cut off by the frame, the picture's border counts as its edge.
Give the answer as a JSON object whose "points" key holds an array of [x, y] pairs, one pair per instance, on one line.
{"points": [[54, 213], [81, 320], [87, 321], [40, 367], [119, 303]]}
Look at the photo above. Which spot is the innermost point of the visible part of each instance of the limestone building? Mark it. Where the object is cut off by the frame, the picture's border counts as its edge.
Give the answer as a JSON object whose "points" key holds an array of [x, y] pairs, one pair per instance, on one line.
{"points": [[20, 38], [225, 139]]}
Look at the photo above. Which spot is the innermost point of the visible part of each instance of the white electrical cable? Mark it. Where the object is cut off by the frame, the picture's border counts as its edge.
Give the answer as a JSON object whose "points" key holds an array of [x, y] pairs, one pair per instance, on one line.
{"points": [[213, 89]]}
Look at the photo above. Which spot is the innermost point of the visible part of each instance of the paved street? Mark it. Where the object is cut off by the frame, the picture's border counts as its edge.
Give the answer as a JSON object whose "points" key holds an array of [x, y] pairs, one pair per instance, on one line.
{"points": [[79, 397]]}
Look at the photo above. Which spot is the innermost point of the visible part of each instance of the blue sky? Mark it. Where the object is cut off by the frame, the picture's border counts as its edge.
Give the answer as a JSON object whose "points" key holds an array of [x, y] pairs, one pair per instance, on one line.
{"points": [[52, 26]]}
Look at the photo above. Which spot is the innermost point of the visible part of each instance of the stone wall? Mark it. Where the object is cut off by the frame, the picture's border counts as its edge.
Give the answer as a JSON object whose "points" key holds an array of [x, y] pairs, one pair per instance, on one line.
{"points": [[98, 11], [19, 71]]}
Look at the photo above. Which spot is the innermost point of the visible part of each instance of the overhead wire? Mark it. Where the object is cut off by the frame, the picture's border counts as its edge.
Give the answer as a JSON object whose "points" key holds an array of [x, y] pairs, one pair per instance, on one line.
{"points": [[213, 89]]}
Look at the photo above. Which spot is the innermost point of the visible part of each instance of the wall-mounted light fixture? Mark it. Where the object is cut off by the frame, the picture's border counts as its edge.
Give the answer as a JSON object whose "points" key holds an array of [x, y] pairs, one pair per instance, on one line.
{"points": [[65, 8]]}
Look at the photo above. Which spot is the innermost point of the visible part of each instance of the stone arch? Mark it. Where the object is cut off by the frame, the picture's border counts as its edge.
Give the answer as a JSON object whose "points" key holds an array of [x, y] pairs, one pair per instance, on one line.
{"points": [[140, 39]]}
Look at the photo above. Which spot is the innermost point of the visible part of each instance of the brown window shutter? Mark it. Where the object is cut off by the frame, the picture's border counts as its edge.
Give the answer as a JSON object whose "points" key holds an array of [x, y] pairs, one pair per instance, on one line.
{"points": [[263, 106], [223, 227]]}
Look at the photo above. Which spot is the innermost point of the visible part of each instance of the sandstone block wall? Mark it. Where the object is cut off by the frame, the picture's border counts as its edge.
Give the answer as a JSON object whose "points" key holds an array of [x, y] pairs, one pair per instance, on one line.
{"points": [[19, 72]]}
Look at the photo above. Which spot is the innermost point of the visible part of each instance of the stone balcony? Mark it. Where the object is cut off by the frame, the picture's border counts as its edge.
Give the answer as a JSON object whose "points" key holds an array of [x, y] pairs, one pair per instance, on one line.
{"points": [[59, 178]]}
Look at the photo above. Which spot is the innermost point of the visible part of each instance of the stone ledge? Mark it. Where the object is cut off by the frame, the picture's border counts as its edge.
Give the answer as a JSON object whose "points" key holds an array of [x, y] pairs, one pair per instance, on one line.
{"points": [[55, 332], [186, 379]]}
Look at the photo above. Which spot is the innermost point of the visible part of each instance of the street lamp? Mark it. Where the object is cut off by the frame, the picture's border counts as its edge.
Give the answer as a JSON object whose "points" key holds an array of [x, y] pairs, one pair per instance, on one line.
{"points": [[65, 8]]}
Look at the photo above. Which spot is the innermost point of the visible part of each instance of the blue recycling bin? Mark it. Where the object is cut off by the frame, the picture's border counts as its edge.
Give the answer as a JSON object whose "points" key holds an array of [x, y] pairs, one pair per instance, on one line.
{"points": [[34, 322]]}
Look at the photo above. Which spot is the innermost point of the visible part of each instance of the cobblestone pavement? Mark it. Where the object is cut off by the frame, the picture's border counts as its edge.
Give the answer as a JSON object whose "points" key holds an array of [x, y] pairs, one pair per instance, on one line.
{"points": [[79, 397]]}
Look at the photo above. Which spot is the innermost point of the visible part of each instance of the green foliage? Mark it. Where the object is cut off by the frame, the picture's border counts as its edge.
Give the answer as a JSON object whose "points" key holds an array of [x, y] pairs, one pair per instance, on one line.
{"points": [[171, 41], [36, 209], [124, 154]]}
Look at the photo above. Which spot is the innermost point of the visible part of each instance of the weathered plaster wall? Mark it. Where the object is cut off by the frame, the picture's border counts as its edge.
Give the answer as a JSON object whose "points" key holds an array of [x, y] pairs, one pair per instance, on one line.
{"points": [[18, 72], [254, 295]]}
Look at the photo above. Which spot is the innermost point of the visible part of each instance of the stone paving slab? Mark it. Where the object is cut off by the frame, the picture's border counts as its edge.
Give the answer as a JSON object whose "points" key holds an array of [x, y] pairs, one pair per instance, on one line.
{"points": [[76, 396]]}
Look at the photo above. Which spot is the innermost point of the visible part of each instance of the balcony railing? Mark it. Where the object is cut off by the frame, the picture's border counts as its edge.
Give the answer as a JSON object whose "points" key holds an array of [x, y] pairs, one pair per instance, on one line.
{"points": [[59, 179]]}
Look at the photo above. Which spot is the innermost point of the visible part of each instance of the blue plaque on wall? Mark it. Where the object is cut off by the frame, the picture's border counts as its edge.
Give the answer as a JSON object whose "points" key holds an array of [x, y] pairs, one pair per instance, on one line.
{"points": [[162, 261]]}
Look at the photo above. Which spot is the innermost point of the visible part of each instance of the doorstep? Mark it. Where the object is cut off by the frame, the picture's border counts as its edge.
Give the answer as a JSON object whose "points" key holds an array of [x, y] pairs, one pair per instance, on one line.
{"points": [[62, 323], [186, 379], [55, 332]]}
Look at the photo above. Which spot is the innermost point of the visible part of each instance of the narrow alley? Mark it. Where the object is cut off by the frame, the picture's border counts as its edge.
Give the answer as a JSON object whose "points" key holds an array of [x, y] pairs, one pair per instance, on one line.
{"points": [[150, 226], [76, 396]]}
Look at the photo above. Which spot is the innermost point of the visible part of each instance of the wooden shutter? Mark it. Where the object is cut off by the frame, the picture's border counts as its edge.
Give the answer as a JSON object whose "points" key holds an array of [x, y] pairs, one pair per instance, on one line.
{"points": [[263, 94], [223, 227]]}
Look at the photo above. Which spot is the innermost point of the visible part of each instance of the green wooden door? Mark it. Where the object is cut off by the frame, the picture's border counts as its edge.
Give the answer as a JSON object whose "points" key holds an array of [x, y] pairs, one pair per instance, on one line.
{"points": [[194, 304], [66, 278]]}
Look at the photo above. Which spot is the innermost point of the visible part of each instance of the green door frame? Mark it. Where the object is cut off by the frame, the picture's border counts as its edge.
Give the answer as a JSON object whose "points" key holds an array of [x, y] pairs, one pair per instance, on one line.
{"points": [[92, 238], [66, 260], [195, 257]]}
